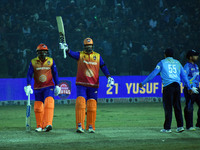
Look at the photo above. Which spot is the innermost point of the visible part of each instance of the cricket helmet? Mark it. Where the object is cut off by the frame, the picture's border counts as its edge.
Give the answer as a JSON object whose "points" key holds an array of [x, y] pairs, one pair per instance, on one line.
{"points": [[88, 41], [191, 53], [42, 47]]}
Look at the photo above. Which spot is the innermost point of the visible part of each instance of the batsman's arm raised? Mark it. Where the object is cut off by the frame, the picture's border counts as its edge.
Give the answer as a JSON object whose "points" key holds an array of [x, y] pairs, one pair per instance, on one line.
{"points": [[72, 54], [76, 55]]}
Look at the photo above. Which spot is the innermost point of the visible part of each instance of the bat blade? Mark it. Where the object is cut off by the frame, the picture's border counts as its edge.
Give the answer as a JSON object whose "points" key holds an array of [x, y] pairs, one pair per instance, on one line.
{"points": [[28, 117], [61, 31]]}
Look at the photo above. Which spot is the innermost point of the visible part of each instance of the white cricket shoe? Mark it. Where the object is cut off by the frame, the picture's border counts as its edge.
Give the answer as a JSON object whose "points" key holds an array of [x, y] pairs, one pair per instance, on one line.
{"points": [[80, 129], [38, 129], [180, 129], [191, 129], [91, 130], [166, 131], [47, 128]]}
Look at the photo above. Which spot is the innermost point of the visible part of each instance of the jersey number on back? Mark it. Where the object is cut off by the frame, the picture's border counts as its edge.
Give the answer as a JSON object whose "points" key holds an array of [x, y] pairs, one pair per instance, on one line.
{"points": [[172, 68]]}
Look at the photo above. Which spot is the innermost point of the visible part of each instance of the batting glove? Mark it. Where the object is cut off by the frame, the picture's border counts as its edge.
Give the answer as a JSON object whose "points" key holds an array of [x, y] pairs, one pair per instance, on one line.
{"points": [[57, 90], [111, 81], [63, 46], [28, 90], [195, 90]]}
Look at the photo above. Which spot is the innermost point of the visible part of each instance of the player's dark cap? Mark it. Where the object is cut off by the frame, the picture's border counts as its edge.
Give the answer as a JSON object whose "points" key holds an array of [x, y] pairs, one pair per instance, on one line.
{"points": [[191, 53], [169, 52]]}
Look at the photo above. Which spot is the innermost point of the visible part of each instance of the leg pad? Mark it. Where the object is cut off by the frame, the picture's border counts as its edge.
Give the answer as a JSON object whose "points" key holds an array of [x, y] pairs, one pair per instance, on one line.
{"points": [[48, 111], [91, 113], [80, 111], [39, 112]]}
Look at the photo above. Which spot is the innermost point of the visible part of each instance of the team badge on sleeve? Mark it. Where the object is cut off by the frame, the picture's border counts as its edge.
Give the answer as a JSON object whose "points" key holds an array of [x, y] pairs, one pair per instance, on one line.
{"points": [[157, 67]]}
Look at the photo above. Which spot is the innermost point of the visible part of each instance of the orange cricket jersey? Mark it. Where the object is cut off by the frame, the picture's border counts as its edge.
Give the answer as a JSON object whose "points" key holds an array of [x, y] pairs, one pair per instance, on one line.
{"points": [[88, 69], [42, 73]]}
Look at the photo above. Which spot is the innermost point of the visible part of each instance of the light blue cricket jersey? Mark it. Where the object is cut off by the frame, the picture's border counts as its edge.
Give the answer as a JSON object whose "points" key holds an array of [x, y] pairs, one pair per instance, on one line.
{"points": [[170, 71], [192, 72]]}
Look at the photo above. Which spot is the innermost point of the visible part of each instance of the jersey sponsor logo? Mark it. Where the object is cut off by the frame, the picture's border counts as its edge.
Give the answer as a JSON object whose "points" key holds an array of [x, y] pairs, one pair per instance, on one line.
{"points": [[94, 57], [42, 78], [89, 73], [43, 68], [89, 62]]}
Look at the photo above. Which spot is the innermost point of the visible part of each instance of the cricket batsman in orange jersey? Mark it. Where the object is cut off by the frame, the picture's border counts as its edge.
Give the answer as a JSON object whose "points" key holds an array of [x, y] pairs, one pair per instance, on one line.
{"points": [[87, 83], [44, 70]]}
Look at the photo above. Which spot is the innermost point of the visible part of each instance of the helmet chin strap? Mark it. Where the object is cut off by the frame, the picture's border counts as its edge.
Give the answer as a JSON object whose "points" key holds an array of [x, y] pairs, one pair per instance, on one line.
{"points": [[43, 56], [88, 50]]}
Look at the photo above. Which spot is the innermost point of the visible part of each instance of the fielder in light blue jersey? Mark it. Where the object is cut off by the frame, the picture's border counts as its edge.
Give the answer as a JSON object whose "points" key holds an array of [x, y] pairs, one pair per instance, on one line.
{"points": [[171, 72], [192, 71]]}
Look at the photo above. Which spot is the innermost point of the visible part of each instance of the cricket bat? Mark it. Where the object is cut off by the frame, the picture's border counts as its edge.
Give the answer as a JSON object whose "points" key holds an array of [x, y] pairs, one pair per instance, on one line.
{"points": [[28, 115], [61, 31]]}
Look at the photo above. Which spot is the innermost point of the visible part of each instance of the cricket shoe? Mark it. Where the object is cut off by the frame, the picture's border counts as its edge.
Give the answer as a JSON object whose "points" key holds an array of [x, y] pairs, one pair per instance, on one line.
{"points": [[91, 130], [179, 129], [47, 128], [38, 129], [191, 129], [166, 131], [80, 129]]}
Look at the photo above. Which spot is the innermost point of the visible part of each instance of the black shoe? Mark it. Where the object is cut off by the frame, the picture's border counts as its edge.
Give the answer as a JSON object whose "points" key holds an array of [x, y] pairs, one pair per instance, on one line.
{"points": [[47, 128]]}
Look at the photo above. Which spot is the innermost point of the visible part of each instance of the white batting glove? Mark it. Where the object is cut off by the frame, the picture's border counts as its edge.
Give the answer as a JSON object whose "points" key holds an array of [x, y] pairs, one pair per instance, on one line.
{"points": [[111, 81], [57, 90], [63, 46], [28, 90], [195, 90]]}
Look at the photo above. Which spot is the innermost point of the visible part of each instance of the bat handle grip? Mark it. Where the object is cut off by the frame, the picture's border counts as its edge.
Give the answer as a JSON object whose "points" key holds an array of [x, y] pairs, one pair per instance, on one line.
{"points": [[64, 52]]}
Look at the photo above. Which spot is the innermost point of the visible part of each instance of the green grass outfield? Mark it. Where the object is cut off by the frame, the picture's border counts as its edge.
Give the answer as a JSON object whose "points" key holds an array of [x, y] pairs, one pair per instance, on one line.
{"points": [[118, 126]]}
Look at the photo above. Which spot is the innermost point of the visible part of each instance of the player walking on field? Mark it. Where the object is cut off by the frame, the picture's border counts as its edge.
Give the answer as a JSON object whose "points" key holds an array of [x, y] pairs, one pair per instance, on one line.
{"points": [[192, 71], [171, 72], [87, 83], [44, 70]]}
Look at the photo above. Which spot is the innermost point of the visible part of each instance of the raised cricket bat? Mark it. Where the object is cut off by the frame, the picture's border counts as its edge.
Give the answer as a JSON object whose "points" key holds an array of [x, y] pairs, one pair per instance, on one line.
{"points": [[61, 31], [28, 115]]}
